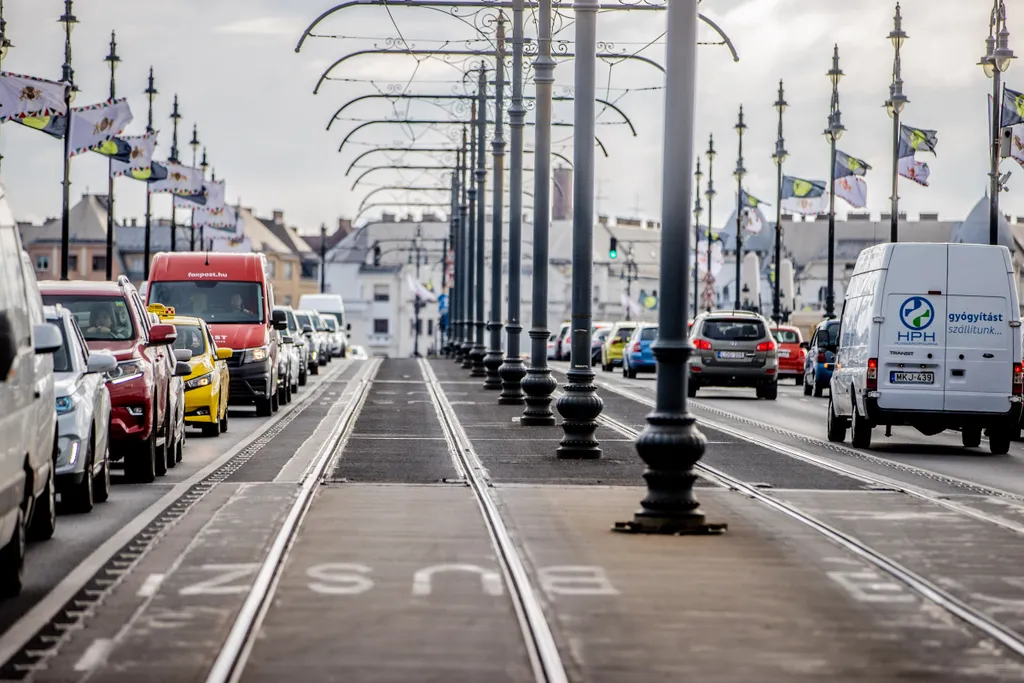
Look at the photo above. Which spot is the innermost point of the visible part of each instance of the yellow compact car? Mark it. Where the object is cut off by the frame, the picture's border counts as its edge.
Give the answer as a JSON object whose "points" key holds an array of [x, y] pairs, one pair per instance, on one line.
{"points": [[611, 352], [206, 388]]}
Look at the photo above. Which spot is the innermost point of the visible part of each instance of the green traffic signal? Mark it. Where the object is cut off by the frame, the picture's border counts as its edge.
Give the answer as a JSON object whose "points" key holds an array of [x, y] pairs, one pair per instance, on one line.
{"points": [[613, 248]]}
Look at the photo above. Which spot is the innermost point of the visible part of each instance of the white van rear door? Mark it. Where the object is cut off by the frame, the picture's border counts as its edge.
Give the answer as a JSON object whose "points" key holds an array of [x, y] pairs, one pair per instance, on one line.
{"points": [[979, 339], [911, 339]]}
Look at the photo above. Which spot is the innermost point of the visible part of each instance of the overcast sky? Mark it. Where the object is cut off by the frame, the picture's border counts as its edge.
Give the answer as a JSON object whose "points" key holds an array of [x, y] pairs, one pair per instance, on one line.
{"points": [[233, 65]]}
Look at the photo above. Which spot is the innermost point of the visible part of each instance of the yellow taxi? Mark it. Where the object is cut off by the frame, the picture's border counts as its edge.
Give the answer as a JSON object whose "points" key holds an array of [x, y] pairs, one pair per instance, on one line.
{"points": [[206, 388], [611, 352]]}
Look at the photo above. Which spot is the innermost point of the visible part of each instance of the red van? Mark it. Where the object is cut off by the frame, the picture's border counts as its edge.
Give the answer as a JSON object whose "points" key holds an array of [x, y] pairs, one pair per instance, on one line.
{"points": [[232, 293]]}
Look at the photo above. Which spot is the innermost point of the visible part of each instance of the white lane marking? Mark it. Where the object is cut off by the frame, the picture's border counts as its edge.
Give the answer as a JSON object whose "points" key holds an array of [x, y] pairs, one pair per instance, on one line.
{"points": [[339, 578], [576, 580], [95, 655], [150, 586], [422, 580]]}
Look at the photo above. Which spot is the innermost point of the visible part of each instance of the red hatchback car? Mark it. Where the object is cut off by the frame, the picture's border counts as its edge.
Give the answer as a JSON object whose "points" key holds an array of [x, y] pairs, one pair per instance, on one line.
{"points": [[113, 319], [791, 355]]}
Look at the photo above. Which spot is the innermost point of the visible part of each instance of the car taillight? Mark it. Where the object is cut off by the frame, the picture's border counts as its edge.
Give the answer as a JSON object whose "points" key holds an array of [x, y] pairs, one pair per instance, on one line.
{"points": [[766, 346], [702, 344], [872, 377], [636, 347], [821, 357], [1018, 379]]}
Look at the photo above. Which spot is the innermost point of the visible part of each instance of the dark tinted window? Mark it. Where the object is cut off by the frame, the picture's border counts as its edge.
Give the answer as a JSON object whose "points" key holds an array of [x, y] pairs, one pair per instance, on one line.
{"points": [[302, 319], [733, 330], [624, 334], [190, 337], [829, 335], [332, 322], [99, 317], [62, 356], [786, 336], [215, 302], [649, 334]]}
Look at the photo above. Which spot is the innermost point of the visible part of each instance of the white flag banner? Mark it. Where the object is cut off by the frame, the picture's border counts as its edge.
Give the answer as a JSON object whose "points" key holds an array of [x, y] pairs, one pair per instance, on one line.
{"points": [[917, 171], [702, 258], [853, 189], [419, 290], [223, 218], [215, 194], [95, 124], [753, 220], [806, 206], [632, 307], [229, 243], [22, 96], [141, 155], [181, 180], [717, 258]]}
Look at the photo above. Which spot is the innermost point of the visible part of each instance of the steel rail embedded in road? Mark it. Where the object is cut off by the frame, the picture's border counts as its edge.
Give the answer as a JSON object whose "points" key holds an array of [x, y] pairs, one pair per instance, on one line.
{"points": [[231, 661], [1007, 637], [540, 643]]}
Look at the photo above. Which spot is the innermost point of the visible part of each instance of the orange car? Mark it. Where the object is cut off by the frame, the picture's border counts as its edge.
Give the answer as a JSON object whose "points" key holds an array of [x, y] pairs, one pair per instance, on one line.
{"points": [[791, 355]]}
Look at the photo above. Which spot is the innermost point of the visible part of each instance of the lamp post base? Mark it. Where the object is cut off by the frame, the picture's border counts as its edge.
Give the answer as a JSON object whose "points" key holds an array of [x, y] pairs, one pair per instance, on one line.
{"points": [[538, 385], [579, 407], [476, 361], [512, 372], [492, 361], [467, 356], [670, 526]]}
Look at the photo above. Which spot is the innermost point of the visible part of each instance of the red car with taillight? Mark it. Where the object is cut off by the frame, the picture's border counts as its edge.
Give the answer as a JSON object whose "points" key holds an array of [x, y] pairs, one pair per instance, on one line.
{"points": [[113, 319], [791, 354]]}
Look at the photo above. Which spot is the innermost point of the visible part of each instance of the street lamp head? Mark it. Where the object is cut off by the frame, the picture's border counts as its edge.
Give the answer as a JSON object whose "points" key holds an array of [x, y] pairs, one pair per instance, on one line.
{"points": [[204, 164], [1003, 55], [175, 115], [194, 142], [780, 154], [988, 62], [739, 172], [781, 104], [897, 35], [835, 74], [711, 147], [112, 58], [150, 91], [740, 126], [68, 19]]}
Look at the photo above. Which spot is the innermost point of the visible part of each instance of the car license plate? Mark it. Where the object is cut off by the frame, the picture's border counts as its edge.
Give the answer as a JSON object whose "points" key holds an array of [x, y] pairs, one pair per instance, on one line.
{"points": [[732, 355], [783, 353], [911, 378]]}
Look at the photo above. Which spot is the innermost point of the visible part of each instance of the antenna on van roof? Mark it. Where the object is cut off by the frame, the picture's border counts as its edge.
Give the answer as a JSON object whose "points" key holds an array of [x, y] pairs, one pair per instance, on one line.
{"points": [[208, 245]]}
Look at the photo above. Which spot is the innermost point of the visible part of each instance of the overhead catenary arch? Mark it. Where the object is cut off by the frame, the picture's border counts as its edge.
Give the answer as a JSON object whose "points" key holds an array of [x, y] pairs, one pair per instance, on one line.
{"points": [[431, 150], [374, 169]]}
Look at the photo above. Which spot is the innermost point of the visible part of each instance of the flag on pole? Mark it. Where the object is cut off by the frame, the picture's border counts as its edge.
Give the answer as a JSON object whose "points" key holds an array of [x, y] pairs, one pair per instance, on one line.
{"points": [[749, 200], [155, 173], [798, 187], [917, 171], [806, 206], [1013, 108], [116, 149], [854, 190], [419, 290], [53, 125], [93, 125], [847, 165], [223, 218], [633, 308], [916, 140], [140, 158], [183, 181], [1017, 143], [22, 96]]}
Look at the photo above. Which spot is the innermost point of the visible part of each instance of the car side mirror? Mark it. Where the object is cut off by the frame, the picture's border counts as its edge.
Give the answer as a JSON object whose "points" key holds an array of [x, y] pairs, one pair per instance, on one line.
{"points": [[162, 334], [348, 327], [288, 339], [805, 345], [182, 369], [46, 338], [183, 355], [280, 319], [100, 363], [224, 353], [307, 329], [8, 345]]}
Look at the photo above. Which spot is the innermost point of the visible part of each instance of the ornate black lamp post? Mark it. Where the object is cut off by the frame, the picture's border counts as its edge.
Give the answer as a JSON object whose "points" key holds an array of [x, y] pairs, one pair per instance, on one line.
{"points": [[69, 20], [173, 158], [779, 157], [710, 194], [194, 144], [151, 94], [894, 105], [114, 61], [697, 211], [739, 173], [833, 133], [997, 60]]}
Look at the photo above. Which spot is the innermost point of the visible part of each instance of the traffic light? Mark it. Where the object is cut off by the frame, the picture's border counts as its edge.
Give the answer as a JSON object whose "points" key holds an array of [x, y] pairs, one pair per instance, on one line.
{"points": [[376, 254], [613, 249]]}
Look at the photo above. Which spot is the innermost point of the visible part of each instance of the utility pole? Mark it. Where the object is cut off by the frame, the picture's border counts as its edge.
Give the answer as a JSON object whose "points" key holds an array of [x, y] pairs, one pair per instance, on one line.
{"points": [[151, 94], [173, 158], [833, 133], [194, 144], [779, 157], [738, 174], [323, 258], [113, 60], [894, 105], [69, 21], [492, 361]]}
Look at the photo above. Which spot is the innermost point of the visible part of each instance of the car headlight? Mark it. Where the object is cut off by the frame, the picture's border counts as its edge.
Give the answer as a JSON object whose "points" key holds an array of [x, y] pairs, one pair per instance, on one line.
{"points": [[260, 353], [200, 381], [125, 371], [65, 404]]}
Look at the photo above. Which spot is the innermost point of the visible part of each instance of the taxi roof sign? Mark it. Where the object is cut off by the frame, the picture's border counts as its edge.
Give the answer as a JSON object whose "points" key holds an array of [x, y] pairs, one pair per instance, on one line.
{"points": [[161, 310]]}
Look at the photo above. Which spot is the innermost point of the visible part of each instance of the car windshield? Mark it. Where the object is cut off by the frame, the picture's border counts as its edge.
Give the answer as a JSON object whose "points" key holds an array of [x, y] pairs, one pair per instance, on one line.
{"points": [[786, 336], [648, 334], [101, 318], [302, 319], [332, 323], [624, 334], [733, 330], [62, 356], [190, 337], [215, 302]]}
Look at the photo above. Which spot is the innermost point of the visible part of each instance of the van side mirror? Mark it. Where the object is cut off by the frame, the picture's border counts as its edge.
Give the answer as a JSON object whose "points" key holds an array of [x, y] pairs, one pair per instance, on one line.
{"points": [[183, 355], [8, 345], [279, 319], [182, 369], [100, 363], [224, 353], [46, 338]]}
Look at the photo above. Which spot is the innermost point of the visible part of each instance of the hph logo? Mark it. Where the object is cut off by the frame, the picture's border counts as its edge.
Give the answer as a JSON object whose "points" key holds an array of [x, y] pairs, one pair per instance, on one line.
{"points": [[916, 314]]}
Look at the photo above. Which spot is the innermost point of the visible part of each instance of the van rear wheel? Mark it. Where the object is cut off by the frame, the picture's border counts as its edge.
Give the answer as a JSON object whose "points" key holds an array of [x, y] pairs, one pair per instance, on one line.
{"points": [[999, 441], [861, 429], [971, 437], [12, 560]]}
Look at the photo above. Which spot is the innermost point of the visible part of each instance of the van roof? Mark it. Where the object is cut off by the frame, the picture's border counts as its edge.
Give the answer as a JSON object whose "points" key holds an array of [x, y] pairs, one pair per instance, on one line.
{"points": [[212, 266], [80, 287]]}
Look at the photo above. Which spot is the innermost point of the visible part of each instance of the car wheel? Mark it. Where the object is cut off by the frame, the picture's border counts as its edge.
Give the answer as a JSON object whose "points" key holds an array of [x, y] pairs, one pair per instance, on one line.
{"points": [[807, 387], [799, 380], [836, 425], [818, 389], [302, 379], [295, 387], [141, 466], [211, 429], [315, 369], [861, 429], [101, 482], [167, 450], [691, 389], [44, 512], [12, 559], [275, 402], [172, 452], [263, 408], [631, 373], [82, 497], [770, 391], [224, 421], [970, 437], [999, 441]]}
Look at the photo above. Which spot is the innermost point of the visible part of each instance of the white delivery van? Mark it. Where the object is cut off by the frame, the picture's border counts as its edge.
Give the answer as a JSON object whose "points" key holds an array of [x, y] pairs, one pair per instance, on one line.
{"points": [[332, 305], [929, 337]]}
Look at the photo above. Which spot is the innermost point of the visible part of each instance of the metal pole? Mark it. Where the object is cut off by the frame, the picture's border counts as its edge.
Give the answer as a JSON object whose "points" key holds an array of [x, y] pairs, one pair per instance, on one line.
{"points": [[513, 369], [697, 211], [779, 157], [467, 212], [203, 165], [710, 194], [175, 116], [113, 59], [479, 350], [897, 100], [997, 108], [671, 444], [416, 304], [454, 317], [580, 405], [441, 334], [539, 384], [69, 77], [739, 173], [151, 94], [492, 361], [323, 257], [194, 144], [5, 45], [835, 131], [894, 221]]}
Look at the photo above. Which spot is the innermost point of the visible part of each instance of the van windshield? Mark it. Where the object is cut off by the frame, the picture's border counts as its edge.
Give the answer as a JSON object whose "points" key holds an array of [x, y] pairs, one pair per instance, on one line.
{"points": [[100, 317], [215, 302], [332, 323], [733, 330]]}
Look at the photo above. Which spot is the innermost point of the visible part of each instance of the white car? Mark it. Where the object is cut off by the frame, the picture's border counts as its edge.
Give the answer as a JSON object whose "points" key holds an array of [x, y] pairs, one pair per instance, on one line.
{"points": [[357, 353], [83, 416], [552, 345], [929, 338]]}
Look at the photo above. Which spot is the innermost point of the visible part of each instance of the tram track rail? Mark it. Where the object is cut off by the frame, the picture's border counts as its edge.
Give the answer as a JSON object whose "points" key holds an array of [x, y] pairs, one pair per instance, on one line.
{"points": [[545, 659]]}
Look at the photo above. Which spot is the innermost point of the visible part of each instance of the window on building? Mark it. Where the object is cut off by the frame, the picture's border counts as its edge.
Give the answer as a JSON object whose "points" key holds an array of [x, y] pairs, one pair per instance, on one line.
{"points": [[137, 264], [99, 263], [270, 269], [381, 293], [822, 294], [380, 326], [287, 299], [287, 271], [43, 263], [72, 261]]}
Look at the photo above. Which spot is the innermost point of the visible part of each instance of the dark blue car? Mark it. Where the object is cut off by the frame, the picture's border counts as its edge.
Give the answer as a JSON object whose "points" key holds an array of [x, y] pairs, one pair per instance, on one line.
{"points": [[820, 359], [637, 356]]}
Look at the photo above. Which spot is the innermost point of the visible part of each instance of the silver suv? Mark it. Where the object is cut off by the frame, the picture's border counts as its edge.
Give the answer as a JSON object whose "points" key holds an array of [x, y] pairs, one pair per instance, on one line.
{"points": [[734, 349]]}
